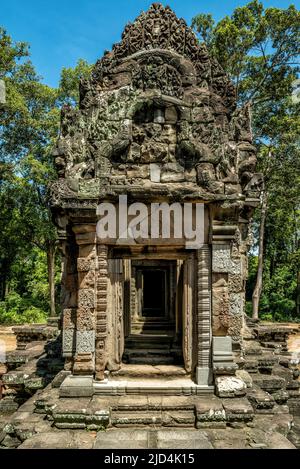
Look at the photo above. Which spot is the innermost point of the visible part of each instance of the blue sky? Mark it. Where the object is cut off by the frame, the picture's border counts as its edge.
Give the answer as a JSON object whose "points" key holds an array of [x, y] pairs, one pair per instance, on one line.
{"points": [[62, 31]]}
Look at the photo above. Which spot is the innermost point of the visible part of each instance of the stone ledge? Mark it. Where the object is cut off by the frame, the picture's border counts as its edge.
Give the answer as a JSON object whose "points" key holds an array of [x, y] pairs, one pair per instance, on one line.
{"points": [[176, 387], [261, 400], [76, 386], [270, 383], [217, 413]]}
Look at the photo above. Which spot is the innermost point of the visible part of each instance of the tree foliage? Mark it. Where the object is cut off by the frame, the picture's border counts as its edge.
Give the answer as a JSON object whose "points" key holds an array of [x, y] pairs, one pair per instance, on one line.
{"points": [[29, 125], [259, 48]]}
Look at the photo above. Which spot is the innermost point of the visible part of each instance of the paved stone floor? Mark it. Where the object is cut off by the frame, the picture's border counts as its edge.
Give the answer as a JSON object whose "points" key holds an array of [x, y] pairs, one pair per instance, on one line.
{"points": [[157, 439]]}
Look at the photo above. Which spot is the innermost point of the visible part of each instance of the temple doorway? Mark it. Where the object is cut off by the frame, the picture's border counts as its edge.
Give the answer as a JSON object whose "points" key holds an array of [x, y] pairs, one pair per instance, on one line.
{"points": [[154, 293], [154, 332]]}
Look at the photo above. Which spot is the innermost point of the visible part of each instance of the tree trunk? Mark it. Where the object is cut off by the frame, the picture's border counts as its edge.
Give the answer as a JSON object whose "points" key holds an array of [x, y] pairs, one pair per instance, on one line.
{"points": [[51, 275], [2, 287], [258, 284], [298, 296], [5, 268]]}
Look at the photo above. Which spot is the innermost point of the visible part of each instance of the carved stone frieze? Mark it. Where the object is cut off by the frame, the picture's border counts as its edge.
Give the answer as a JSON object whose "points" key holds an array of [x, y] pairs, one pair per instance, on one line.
{"points": [[85, 341]]}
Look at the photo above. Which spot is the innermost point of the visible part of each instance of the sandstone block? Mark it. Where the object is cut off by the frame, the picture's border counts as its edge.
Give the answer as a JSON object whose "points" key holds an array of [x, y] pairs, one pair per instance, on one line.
{"points": [[244, 376], [229, 386]]}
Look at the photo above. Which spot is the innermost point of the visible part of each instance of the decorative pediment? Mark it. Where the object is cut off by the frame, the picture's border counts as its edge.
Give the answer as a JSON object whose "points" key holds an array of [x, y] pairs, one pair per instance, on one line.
{"points": [[159, 28], [157, 114]]}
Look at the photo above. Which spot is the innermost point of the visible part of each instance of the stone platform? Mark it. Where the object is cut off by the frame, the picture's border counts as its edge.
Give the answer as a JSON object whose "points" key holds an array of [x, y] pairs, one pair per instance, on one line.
{"points": [[149, 422], [158, 439], [47, 422], [266, 415]]}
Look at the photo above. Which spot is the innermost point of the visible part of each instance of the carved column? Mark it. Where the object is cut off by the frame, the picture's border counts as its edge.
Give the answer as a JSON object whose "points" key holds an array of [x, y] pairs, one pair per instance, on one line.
{"points": [[101, 312], [127, 297], [115, 320], [203, 374], [84, 362], [179, 298], [188, 306], [133, 295], [68, 300]]}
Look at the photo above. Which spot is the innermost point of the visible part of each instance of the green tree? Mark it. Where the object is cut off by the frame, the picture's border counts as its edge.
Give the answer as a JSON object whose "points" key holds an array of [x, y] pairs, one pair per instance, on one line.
{"points": [[29, 126], [259, 49], [70, 79]]}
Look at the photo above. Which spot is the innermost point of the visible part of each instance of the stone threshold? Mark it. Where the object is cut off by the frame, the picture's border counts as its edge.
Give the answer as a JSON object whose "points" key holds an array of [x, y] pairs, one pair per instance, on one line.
{"points": [[86, 386], [129, 372], [173, 387]]}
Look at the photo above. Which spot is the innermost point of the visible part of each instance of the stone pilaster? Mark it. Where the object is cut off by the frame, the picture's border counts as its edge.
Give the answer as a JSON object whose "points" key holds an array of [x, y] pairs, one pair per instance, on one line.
{"points": [[68, 300], [127, 296], [203, 374], [101, 311], [115, 339], [227, 294], [228, 290], [84, 363], [188, 307]]}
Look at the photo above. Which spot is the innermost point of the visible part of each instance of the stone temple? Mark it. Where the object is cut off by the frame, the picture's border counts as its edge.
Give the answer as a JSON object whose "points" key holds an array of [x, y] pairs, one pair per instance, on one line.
{"points": [[157, 123], [155, 191]]}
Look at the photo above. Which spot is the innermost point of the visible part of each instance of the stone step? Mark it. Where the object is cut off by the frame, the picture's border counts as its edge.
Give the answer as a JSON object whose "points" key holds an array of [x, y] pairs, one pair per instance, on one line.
{"points": [[149, 338], [166, 418], [147, 345], [150, 411], [262, 401], [151, 387], [147, 403], [149, 359], [269, 383], [147, 371], [152, 326], [148, 323], [123, 411], [140, 352]]}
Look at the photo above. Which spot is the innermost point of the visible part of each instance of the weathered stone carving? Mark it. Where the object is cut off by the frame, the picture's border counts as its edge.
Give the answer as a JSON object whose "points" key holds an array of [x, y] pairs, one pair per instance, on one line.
{"points": [[68, 342], [157, 121], [85, 341], [204, 317], [158, 97], [101, 311]]}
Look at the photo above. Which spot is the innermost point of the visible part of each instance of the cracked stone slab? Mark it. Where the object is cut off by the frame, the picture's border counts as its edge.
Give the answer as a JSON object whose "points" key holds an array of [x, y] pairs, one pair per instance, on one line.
{"points": [[122, 439], [183, 439], [60, 440], [152, 439]]}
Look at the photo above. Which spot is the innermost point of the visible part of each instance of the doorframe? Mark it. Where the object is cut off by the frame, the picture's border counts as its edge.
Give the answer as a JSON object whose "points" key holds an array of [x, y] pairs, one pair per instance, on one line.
{"points": [[201, 313]]}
